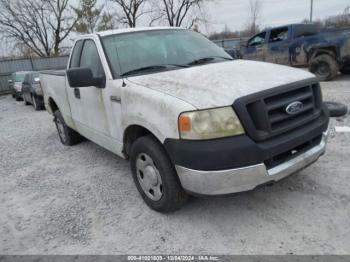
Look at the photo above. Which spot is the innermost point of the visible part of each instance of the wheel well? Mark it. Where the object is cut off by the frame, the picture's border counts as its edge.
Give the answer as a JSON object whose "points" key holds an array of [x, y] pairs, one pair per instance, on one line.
{"points": [[52, 104], [131, 134], [331, 50]]}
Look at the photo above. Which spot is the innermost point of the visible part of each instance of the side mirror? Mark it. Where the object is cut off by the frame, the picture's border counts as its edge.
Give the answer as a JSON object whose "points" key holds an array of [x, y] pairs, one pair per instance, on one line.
{"points": [[83, 77]]}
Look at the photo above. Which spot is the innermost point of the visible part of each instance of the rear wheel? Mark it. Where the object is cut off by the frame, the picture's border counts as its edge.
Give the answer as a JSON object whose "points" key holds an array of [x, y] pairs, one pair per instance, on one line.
{"points": [[67, 135], [35, 103], [155, 176], [325, 67], [17, 97], [25, 101]]}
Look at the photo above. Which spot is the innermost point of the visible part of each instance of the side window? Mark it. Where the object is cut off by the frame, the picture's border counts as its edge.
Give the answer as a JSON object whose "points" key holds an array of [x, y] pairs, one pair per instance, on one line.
{"points": [[74, 62], [278, 35], [90, 58], [257, 40]]}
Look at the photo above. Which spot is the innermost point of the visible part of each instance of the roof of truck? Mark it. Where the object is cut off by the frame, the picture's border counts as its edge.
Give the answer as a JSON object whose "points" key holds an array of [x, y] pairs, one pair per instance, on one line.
{"points": [[131, 30]]}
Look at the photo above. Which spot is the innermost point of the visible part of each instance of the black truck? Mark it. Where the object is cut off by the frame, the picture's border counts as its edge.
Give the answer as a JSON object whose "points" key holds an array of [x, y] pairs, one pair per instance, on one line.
{"points": [[325, 52]]}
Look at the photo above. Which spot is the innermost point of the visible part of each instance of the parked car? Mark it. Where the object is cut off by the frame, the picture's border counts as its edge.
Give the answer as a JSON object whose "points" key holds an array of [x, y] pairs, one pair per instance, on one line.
{"points": [[17, 79], [189, 118], [303, 45], [31, 90]]}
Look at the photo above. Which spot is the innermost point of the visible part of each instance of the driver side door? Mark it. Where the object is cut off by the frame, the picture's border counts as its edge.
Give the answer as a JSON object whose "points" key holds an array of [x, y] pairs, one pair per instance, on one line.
{"points": [[87, 104], [256, 48]]}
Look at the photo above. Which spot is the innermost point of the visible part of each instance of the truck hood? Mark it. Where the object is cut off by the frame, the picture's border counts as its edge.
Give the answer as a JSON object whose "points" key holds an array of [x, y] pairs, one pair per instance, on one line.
{"points": [[220, 84]]}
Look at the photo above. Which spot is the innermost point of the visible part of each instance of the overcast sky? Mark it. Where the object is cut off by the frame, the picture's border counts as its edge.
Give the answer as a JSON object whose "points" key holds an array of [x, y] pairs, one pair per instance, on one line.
{"points": [[233, 13]]}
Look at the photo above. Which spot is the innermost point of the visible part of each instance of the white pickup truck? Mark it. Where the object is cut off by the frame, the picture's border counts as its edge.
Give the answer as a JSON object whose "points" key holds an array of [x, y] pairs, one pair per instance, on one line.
{"points": [[189, 118]]}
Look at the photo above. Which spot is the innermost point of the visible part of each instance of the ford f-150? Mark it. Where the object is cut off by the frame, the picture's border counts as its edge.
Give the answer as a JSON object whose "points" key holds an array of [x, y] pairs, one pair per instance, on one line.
{"points": [[189, 118]]}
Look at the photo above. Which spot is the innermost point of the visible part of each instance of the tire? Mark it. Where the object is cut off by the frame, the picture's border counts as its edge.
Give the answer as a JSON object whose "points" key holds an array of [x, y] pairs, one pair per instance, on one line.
{"points": [[345, 70], [35, 103], [325, 67], [336, 109], [67, 135], [151, 167], [25, 101], [17, 97], [13, 95]]}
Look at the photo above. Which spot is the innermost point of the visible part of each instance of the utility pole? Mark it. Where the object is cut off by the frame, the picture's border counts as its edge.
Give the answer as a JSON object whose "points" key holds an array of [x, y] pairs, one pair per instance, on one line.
{"points": [[311, 10]]}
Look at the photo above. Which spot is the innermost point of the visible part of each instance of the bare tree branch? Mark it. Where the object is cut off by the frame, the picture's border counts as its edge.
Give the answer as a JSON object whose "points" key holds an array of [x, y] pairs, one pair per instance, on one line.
{"points": [[180, 12], [39, 25], [255, 7], [131, 11]]}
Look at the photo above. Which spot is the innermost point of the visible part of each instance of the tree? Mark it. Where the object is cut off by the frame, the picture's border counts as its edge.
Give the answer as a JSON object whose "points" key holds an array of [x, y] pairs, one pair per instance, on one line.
{"points": [[254, 15], [61, 22], [106, 22], [88, 15], [180, 12], [131, 11], [40, 26]]}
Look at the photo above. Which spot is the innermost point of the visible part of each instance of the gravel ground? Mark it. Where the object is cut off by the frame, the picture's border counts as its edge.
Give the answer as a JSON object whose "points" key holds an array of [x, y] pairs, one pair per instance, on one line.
{"points": [[82, 200]]}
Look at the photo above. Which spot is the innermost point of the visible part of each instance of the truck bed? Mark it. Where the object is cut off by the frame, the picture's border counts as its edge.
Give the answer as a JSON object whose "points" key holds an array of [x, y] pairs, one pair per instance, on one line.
{"points": [[53, 83]]}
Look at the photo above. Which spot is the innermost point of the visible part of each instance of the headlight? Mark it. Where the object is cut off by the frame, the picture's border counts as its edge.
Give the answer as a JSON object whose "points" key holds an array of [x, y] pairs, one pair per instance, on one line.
{"points": [[209, 124]]}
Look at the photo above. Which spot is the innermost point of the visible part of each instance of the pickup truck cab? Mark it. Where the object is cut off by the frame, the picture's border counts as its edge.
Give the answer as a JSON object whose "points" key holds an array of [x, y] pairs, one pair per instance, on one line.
{"points": [[303, 45], [189, 118]]}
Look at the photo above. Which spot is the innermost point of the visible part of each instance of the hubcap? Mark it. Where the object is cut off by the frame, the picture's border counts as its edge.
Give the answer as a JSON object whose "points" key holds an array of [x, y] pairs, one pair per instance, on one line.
{"points": [[60, 129], [149, 177]]}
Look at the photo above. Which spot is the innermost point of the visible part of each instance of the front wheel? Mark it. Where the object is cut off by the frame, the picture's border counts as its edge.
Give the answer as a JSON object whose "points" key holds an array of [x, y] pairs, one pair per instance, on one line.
{"points": [[325, 67], [67, 135], [155, 176]]}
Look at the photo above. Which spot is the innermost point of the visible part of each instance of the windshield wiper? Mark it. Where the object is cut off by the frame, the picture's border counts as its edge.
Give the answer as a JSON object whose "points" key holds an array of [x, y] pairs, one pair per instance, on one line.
{"points": [[153, 67], [207, 59]]}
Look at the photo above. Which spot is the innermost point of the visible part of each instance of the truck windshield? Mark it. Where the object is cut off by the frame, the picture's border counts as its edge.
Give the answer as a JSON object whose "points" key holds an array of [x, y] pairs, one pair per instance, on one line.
{"points": [[159, 50]]}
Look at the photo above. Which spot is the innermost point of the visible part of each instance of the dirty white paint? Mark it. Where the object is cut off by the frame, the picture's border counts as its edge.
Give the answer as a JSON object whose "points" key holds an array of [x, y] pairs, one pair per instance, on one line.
{"points": [[342, 129], [155, 101], [220, 84]]}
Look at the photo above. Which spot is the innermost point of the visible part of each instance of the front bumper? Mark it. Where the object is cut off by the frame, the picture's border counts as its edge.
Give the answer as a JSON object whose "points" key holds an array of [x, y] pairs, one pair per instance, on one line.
{"points": [[236, 180]]}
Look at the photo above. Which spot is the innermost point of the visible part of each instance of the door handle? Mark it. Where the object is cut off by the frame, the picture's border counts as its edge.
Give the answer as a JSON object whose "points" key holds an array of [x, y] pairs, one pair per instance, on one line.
{"points": [[116, 99], [77, 93]]}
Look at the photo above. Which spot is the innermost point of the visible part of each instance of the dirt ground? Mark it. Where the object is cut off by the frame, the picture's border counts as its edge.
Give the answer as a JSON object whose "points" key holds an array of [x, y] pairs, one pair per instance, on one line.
{"points": [[82, 200]]}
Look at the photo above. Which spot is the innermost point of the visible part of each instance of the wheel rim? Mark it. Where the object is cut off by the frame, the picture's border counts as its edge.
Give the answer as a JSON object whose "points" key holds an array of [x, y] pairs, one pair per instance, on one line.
{"points": [[60, 129], [149, 177], [323, 69]]}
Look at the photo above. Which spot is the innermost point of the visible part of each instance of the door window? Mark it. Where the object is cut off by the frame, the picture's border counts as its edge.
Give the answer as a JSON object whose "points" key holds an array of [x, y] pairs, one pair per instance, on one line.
{"points": [[257, 40], [75, 60], [278, 35], [91, 59]]}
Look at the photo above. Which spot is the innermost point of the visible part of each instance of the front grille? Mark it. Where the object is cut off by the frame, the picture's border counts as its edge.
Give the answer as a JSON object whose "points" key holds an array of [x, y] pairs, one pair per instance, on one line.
{"points": [[290, 154], [264, 115]]}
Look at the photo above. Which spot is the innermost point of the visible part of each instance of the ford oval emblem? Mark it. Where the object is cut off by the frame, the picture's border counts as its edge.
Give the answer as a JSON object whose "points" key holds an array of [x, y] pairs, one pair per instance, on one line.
{"points": [[294, 108]]}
